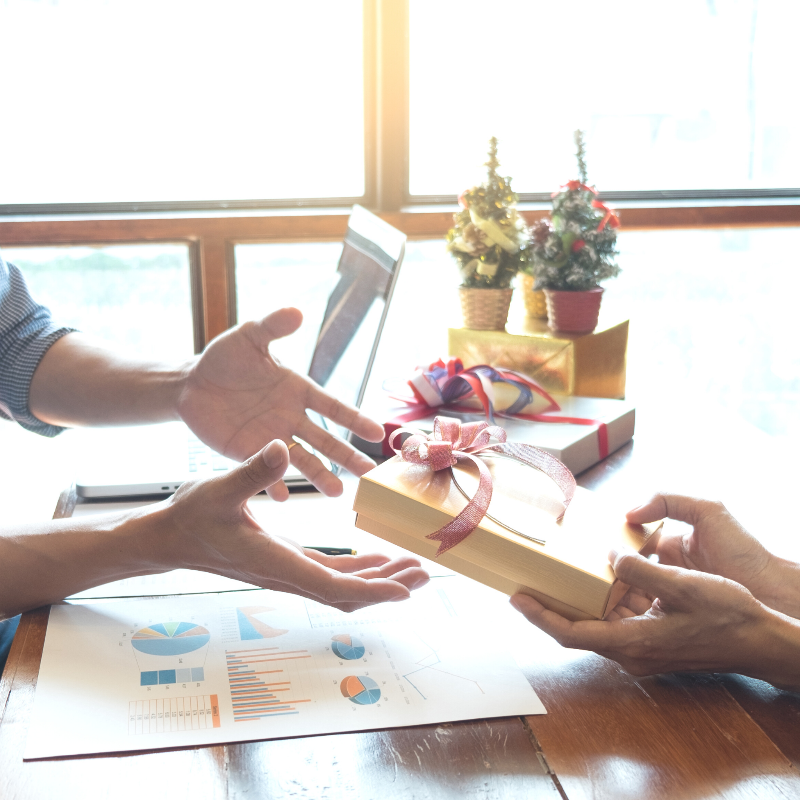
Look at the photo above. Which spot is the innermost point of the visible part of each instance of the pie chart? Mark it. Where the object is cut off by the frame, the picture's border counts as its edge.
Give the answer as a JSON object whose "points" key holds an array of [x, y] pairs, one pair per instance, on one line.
{"points": [[347, 647], [170, 638], [360, 689]]}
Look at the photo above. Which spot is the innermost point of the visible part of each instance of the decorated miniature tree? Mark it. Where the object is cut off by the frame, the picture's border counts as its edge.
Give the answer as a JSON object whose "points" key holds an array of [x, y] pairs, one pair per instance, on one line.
{"points": [[576, 248], [489, 239]]}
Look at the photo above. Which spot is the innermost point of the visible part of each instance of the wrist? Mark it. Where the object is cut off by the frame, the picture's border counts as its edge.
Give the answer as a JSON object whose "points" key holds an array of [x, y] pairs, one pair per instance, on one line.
{"points": [[779, 586], [772, 651]]}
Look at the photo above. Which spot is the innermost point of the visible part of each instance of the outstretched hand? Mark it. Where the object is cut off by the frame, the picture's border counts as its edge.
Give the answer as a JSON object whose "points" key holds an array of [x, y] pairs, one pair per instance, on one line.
{"points": [[211, 521], [237, 397]]}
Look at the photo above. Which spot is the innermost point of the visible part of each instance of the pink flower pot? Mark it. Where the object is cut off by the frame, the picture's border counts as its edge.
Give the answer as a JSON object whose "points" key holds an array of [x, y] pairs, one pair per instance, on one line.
{"points": [[573, 312]]}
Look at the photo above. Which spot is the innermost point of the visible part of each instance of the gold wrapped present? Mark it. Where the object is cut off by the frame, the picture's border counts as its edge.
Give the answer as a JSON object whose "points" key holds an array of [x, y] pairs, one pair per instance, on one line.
{"points": [[585, 364]]}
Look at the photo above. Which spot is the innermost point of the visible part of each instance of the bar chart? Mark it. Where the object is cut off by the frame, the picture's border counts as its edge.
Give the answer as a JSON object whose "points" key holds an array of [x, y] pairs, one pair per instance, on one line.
{"points": [[259, 683]]}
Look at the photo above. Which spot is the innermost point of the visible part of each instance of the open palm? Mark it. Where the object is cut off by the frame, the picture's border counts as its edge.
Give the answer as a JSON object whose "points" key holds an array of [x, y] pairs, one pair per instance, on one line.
{"points": [[237, 397]]}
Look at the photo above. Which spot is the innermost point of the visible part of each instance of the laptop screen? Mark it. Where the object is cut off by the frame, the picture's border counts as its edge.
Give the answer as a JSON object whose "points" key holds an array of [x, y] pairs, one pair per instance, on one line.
{"points": [[357, 307]]}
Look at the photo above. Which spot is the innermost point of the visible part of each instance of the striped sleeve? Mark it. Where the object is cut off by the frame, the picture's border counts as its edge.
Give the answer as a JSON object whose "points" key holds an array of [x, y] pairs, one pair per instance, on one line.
{"points": [[26, 333]]}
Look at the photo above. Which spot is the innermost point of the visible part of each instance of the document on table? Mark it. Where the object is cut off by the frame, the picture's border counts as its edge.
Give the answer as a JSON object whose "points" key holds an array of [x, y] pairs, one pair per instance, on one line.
{"points": [[144, 674]]}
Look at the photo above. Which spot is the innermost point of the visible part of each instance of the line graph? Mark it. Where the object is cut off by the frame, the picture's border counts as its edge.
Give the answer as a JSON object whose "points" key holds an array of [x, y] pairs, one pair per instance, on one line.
{"points": [[433, 663]]}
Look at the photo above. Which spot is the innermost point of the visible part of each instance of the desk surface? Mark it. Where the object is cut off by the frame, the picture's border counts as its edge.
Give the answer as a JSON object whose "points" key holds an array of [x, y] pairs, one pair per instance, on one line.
{"points": [[607, 734]]}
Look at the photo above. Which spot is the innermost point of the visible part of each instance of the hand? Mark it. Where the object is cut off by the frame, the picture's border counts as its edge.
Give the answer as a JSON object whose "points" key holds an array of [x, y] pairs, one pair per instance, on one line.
{"points": [[674, 619], [237, 397], [718, 544], [210, 528]]}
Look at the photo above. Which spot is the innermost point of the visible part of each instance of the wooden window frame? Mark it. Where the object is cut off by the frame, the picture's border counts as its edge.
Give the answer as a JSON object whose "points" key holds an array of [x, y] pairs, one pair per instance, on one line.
{"points": [[211, 239]]}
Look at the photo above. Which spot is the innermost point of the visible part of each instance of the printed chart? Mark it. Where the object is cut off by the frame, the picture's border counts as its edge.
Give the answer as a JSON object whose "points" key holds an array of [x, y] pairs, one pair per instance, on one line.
{"points": [[258, 683], [160, 650], [187, 671], [173, 714], [170, 638], [361, 690], [347, 647], [251, 627]]}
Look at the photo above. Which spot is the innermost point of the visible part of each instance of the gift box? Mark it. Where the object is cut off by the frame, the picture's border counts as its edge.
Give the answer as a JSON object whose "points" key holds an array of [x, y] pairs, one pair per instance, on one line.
{"points": [[596, 427], [588, 365], [569, 573]]}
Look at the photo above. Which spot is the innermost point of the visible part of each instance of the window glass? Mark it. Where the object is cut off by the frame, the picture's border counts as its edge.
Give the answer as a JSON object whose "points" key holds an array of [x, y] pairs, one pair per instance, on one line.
{"points": [[136, 298], [712, 320], [108, 100], [691, 94], [273, 276]]}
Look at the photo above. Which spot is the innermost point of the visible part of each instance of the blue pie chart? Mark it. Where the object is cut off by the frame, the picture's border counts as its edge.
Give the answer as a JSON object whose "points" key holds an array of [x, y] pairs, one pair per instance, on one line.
{"points": [[347, 647], [360, 689]]}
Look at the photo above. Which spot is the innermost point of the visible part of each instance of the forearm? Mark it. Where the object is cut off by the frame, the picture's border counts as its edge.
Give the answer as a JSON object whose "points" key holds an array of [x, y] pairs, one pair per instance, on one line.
{"points": [[780, 589], [78, 382], [773, 653], [44, 563]]}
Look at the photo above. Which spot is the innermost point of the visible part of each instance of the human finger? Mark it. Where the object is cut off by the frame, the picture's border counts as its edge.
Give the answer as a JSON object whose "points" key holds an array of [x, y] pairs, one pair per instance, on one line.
{"points": [[670, 584], [259, 472], [279, 491], [336, 449], [280, 323], [315, 471], [343, 414], [289, 569], [583, 635], [675, 506], [347, 563], [411, 576]]}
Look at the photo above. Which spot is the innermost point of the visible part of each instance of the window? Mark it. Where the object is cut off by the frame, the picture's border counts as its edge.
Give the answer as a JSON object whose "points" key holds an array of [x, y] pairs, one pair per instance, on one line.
{"points": [[690, 95], [107, 101], [135, 298], [193, 104]]}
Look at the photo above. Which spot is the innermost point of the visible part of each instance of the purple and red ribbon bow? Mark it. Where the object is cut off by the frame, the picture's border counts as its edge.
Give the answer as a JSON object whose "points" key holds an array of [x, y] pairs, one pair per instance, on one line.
{"points": [[446, 383], [452, 442]]}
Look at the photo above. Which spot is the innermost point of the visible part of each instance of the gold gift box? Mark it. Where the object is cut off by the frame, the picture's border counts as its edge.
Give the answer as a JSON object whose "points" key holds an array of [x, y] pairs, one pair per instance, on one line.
{"points": [[585, 364]]}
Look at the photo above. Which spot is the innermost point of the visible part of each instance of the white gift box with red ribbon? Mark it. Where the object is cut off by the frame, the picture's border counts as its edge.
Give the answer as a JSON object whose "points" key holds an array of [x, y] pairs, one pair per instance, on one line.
{"points": [[577, 445]]}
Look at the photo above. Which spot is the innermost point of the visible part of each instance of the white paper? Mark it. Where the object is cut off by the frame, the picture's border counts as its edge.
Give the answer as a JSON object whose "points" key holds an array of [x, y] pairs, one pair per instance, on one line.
{"points": [[193, 670]]}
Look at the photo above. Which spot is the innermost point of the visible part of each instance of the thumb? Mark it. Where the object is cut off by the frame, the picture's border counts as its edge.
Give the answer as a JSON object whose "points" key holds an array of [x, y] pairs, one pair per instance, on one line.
{"points": [[278, 324], [657, 580], [258, 472]]}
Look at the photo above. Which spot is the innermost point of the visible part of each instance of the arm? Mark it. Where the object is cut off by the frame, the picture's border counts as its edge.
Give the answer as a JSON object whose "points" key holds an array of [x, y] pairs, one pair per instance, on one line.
{"points": [[718, 601], [678, 620], [206, 525], [235, 397]]}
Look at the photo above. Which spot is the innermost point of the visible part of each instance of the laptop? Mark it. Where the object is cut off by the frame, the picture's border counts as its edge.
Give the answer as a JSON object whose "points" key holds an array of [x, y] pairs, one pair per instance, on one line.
{"points": [[157, 459]]}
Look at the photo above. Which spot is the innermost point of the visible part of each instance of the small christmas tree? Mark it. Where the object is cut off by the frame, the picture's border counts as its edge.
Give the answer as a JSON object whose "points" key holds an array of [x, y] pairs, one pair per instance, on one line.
{"points": [[489, 239], [576, 248]]}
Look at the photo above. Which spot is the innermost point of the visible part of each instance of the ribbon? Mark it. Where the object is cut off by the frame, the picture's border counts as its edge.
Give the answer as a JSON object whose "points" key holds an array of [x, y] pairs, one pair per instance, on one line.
{"points": [[445, 383], [610, 217], [493, 232], [572, 186], [452, 442]]}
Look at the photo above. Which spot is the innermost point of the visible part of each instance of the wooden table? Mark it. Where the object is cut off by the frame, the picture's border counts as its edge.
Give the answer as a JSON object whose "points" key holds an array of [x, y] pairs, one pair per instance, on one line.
{"points": [[607, 734]]}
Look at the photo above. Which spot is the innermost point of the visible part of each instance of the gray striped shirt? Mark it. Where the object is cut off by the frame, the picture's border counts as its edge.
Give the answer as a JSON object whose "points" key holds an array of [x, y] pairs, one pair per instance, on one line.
{"points": [[26, 332]]}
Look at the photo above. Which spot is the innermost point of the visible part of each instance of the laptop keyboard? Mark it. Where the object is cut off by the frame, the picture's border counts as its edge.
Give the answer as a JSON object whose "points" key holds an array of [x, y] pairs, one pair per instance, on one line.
{"points": [[202, 459]]}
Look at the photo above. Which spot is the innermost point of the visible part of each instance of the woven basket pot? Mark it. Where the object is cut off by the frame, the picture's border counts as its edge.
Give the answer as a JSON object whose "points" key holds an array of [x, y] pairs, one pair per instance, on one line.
{"points": [[535, 303], [485, 309], [573, 312]]}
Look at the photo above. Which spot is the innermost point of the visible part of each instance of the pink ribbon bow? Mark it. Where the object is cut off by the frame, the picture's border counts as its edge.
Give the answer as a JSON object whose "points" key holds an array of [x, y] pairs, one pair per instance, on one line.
{"points": [[451, 442]]}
